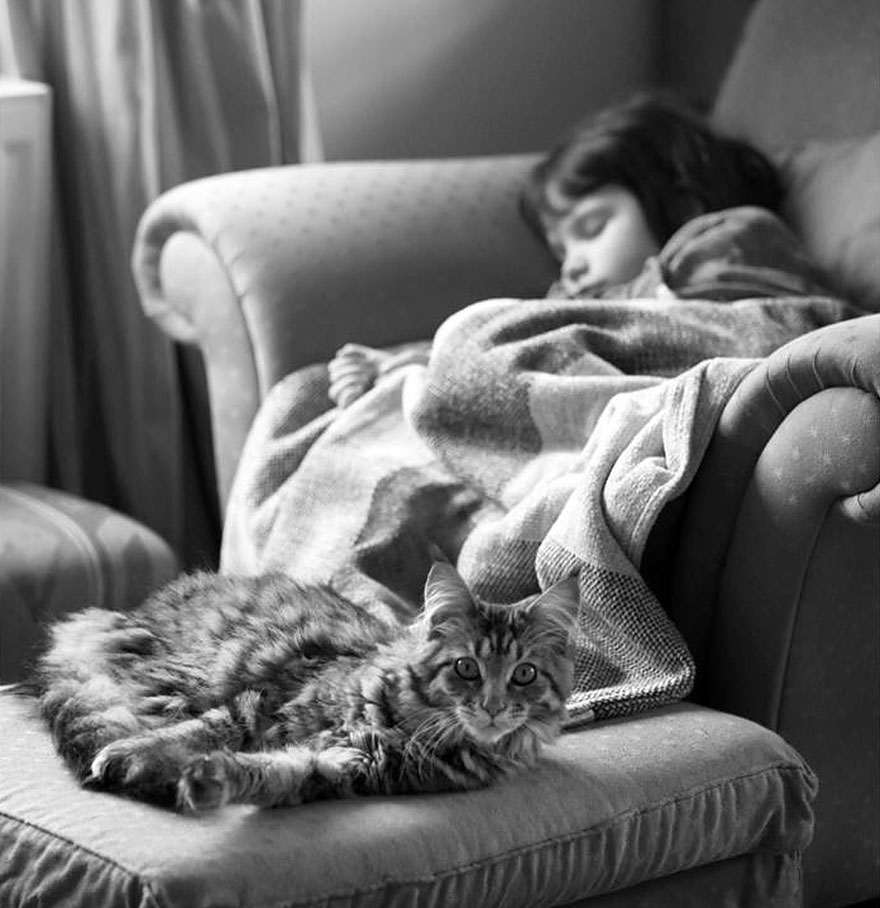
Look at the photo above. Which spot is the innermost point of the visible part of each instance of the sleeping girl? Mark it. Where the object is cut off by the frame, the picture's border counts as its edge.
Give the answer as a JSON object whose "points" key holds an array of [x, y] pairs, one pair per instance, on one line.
{"points": [[629, 204]]}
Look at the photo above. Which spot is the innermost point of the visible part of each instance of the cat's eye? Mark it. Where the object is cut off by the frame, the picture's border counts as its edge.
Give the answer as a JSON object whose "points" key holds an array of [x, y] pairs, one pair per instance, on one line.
{"points": [[524, 674], [467, 668]]}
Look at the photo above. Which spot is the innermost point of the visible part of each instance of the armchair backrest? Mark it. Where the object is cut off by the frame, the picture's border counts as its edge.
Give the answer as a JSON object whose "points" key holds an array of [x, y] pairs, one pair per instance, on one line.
{"points": [[804, 86], [804, 69]]}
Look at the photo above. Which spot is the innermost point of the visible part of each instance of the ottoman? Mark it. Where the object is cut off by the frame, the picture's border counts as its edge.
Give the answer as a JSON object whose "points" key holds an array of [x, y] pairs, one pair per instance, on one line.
{"points": [[680, 807]]}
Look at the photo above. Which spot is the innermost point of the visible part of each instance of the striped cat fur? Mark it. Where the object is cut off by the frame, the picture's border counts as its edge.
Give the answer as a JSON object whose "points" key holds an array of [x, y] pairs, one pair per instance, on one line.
{"points": [[263, 691]]}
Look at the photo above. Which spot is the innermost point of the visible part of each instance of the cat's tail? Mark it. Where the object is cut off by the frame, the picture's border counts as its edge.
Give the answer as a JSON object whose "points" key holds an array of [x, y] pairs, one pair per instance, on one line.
{"points": [[78, 684]]}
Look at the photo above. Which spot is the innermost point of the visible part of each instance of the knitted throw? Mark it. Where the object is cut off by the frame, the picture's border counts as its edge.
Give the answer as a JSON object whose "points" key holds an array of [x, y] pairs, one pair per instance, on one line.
{"points": [[543, 439]]}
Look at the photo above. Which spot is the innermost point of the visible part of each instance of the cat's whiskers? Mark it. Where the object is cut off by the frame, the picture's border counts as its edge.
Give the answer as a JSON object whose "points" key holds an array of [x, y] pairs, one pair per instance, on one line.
{"points": [[438, 729], [493, 732], [414, 746], [431, 731]]}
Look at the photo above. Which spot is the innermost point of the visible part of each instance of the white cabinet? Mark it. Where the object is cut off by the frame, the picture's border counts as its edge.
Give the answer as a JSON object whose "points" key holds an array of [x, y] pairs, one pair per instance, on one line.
{"points": [[25, 204]]}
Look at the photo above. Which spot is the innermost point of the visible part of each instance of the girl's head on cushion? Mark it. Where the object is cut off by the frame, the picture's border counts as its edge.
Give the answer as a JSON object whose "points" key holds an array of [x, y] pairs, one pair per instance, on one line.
{"points": [[659, 153]]}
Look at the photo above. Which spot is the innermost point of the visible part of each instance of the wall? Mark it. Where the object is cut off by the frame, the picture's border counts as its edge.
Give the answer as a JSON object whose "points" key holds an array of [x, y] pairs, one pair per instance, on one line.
{"points": [[696, 39], [422, 78]]}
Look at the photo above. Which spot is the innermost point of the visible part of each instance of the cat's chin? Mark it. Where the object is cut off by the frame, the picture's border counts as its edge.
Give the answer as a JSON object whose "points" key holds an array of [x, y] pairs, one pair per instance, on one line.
{"points": [[488, 735], [492, 735]]}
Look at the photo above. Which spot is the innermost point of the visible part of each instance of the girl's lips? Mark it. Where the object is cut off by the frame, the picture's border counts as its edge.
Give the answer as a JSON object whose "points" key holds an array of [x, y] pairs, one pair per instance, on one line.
{"points": [[575, 289]]}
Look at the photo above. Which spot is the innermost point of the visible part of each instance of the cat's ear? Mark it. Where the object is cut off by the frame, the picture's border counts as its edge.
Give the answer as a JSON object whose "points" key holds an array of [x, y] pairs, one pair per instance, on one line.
{"points": [[448, 602], [557, 607]]}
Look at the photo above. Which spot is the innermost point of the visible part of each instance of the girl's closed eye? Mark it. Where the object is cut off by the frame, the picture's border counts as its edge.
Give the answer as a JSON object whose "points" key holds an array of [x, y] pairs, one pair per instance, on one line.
{"points": [[586, 222], [590, 224], [602, 242]]}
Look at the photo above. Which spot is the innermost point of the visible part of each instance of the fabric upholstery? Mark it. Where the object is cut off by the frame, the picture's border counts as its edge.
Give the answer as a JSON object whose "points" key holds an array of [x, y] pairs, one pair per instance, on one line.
{"points": [[415, 241], [806, 629], [610, 806], [773, 881], [59, 553], [782, 530], [804, 87], [448, 231], [804, 70], [833, 203], [838, 356]]}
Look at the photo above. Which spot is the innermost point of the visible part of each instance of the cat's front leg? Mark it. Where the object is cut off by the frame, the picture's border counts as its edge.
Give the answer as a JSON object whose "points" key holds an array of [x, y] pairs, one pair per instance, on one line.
{"points": [[270, 779], [148, 765]]}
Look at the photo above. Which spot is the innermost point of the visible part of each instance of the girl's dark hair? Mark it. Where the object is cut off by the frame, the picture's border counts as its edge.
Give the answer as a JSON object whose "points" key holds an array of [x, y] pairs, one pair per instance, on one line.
{"points": [[664, 153]]}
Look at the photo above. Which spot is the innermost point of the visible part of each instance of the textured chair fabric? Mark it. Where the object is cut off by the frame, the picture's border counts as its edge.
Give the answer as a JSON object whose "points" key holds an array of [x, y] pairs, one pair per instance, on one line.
{"points": [[613, 805], [782, 532], [804, 71], [268, 271], [60, 553], [385, 251]]}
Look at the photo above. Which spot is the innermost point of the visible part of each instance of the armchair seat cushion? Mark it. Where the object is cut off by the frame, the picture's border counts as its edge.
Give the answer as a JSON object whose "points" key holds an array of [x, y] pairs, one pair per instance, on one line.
{"points": [[60, 553], [681, 790]]}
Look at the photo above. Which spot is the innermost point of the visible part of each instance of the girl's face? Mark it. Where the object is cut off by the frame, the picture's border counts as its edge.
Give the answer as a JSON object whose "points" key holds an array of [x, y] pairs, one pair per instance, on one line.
{"points": [[603, 240]]}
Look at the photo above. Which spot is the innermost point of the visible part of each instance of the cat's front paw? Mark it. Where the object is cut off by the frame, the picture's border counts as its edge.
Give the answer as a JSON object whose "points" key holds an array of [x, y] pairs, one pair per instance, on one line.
{"points": [[338, 762], [335, 773], [204, 784], [135, 766]]}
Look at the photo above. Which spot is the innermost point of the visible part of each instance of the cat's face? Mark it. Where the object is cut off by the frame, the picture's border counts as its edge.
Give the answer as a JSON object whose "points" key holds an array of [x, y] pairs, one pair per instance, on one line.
{"points": [[500, 668]]}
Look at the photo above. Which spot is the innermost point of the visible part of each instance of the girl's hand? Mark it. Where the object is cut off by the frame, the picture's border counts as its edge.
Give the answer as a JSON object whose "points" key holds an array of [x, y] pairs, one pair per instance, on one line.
{"points": [[353, 371]]}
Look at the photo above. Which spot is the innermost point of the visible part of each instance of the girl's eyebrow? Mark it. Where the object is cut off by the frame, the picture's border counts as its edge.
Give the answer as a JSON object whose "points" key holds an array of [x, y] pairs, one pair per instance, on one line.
{"points": [[588, 206]]}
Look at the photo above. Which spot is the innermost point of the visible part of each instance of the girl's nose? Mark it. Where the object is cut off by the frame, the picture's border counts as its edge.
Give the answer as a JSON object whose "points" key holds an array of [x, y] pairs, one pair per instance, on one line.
{"points": [[575, 269]]}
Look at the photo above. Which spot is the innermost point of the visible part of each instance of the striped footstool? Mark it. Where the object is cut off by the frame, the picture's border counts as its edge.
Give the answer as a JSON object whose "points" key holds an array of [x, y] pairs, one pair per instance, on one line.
{"points": [[60, 553]]}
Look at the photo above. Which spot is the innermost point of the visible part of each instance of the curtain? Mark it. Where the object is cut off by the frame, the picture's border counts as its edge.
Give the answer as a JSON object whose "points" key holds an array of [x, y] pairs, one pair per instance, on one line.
{"points": [[146, 94]]}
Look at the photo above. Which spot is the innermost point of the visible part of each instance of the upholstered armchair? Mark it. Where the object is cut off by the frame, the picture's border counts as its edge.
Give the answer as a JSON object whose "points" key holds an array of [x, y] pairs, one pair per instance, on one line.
{"points": [[707, 802], [271, 270]]}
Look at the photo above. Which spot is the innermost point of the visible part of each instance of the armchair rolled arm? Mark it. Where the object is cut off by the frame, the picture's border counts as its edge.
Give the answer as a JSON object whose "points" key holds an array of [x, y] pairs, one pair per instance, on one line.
{"points": [[272, 269], [802, 433], [778, 574]]}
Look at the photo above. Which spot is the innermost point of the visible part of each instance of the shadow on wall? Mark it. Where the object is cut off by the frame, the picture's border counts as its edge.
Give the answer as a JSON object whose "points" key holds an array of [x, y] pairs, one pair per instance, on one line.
{"points": [[454, 77]]}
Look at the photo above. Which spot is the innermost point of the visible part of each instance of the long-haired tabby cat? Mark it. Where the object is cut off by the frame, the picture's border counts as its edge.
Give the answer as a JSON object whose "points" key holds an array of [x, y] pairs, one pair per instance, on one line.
{"points": [[263, 691]]}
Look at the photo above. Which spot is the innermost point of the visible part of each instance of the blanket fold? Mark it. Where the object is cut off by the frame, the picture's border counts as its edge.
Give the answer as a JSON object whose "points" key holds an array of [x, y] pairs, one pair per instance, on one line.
{"points": [[543, 439]]}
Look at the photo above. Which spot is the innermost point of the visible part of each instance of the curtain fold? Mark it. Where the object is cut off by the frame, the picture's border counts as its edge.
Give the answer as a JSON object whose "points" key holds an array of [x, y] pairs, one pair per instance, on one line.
{"points": [[146, 94]]}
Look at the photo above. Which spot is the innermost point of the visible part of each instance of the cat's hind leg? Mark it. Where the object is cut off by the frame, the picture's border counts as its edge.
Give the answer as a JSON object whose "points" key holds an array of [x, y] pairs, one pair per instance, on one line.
{"points": [[278, 778]]}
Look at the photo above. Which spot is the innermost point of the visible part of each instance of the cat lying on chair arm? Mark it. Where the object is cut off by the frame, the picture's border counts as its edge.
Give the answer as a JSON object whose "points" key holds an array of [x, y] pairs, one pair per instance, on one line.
{"points": [[263, 691]]}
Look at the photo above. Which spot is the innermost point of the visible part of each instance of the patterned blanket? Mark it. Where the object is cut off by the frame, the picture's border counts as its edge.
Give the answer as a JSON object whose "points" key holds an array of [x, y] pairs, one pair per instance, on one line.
{"points": [[543, 439]]}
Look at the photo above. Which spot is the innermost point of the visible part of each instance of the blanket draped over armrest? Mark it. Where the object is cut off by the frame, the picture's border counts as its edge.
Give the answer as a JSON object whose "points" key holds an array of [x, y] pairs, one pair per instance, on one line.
{"points": [[543, 439]]}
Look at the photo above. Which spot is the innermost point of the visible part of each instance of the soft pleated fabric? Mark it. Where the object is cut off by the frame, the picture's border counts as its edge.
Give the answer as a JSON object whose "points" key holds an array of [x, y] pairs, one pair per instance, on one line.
{"points": [[684, 806], [147, 94], [60, 553]]}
